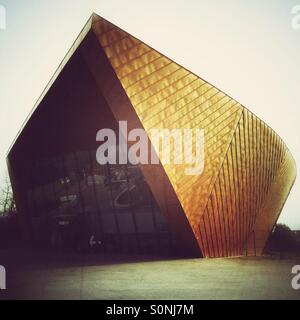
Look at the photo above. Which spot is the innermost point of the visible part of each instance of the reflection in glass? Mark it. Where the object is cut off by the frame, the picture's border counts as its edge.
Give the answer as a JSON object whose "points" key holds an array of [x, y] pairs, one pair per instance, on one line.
{"points": [[73, 199]]}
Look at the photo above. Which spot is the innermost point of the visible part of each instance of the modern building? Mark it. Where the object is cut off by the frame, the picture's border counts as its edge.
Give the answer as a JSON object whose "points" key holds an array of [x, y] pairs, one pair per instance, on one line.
{"points": [[65, 198]]}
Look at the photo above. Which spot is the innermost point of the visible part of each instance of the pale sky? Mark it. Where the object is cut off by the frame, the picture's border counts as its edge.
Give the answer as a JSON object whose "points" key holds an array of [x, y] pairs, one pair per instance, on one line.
{"points": [[246, 48]]}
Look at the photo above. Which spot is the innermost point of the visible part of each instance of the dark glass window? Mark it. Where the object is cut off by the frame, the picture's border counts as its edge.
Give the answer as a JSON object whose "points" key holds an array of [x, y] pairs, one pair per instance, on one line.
{"points": [[72, 198]]}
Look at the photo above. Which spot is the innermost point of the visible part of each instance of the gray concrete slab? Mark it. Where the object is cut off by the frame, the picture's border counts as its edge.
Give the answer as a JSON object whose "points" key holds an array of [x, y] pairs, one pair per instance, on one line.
{"points": [[65, 276]]}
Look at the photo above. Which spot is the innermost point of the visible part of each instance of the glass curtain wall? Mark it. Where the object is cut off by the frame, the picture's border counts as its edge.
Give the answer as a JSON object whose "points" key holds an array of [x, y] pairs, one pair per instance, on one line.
{"points": [[77, 204]]}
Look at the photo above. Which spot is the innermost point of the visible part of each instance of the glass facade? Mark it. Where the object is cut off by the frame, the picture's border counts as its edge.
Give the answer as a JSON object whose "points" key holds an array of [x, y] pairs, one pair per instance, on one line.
{"points": [[77, 204]]}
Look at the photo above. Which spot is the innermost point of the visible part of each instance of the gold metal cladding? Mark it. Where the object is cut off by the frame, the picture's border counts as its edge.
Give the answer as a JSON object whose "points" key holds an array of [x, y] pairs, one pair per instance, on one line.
{"points": [[233, 206]]}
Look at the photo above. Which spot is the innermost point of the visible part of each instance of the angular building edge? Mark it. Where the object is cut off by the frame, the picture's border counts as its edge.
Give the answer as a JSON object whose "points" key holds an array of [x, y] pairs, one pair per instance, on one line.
{"points": [[273, 206], [258, 183]]}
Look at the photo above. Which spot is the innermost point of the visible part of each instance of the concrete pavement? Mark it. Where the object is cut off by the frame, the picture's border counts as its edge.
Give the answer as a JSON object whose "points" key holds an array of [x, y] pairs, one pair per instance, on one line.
{"points": [[64, 276]]}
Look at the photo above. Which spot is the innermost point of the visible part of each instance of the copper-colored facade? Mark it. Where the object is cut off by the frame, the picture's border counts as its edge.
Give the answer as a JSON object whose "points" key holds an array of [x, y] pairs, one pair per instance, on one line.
{"points": [[228, 210]]}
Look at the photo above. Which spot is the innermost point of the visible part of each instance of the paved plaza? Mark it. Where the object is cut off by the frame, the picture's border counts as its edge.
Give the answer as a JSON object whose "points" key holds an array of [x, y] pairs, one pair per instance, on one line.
{"points": [[51, 276]]}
